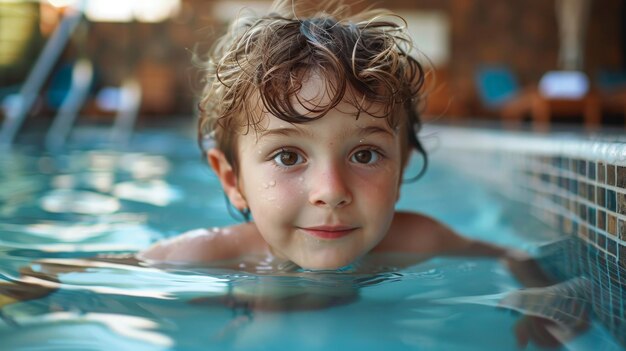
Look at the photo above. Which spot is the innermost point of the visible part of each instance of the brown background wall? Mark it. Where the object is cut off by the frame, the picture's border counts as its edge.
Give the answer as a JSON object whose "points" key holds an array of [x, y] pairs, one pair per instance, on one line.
{"points": [[521, 34]]}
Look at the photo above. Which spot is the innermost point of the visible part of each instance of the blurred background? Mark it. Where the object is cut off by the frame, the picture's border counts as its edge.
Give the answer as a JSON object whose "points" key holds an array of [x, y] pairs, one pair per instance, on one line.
{"points": [[548, 62]]}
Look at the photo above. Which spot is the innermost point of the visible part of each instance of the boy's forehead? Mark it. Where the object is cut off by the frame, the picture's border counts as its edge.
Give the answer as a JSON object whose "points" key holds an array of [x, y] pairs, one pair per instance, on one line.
{"points": [[318, 90], [348, 126], [315, 94]]}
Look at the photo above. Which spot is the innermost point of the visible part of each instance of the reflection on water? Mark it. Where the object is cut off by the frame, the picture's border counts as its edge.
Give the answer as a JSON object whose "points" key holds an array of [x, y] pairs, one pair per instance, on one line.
{"points": [[91, 331], [143, 166], [107, 233], [440, 303], [51, 231], [99, 181], [154, 192], [82, 202]]}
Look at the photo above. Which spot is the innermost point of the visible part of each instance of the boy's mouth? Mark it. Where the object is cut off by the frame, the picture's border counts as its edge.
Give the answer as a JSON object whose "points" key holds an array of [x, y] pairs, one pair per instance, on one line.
{"points": [[328, 231]]}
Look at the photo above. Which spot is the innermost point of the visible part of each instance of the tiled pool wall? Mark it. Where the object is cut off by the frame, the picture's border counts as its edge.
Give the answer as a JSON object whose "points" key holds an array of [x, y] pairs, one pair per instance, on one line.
{"points": [[574, 184]]}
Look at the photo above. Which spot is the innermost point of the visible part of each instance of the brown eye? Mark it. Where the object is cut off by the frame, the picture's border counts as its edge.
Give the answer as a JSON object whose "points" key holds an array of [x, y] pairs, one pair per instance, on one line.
{"points": [[365, 156], [287, 158]]}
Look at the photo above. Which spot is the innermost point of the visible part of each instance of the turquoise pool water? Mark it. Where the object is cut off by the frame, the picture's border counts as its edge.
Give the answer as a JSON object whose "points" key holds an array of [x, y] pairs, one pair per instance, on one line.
{"points": [[58, 212]]}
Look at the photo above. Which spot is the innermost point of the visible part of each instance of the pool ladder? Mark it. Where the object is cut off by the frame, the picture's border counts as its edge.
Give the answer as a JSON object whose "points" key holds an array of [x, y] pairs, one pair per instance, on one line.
{"points": [[82, 78]]}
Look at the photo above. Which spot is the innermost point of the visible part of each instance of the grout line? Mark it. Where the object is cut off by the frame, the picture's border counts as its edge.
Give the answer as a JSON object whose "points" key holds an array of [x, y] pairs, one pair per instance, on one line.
{"points": [[566, 213], [572, 196]]}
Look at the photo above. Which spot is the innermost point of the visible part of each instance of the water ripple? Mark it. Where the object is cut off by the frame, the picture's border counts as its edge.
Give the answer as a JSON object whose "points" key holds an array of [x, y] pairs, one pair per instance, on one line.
{"points": [[81, 202]]}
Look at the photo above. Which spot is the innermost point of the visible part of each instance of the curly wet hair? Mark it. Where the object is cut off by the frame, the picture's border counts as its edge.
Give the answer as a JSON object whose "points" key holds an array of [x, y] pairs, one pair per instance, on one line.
{"points": [[259, 66]]}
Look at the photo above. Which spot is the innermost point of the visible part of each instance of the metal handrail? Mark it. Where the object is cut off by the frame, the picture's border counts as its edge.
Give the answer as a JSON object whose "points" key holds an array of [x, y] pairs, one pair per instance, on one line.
{"points": [[82, 77], [17, 111]]}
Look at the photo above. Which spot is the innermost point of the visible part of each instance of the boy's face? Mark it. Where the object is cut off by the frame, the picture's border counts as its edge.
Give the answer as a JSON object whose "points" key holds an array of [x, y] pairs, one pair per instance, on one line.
{"points": [[322, 193]]}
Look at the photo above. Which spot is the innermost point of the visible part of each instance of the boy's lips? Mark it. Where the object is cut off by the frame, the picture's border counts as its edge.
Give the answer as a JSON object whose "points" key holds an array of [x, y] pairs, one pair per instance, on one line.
{"points": [[328, 231]]}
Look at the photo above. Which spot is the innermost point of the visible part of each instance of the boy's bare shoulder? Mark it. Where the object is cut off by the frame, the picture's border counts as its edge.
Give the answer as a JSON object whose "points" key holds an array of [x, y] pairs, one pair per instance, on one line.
{"points": [[206, 245], [420, 234]]}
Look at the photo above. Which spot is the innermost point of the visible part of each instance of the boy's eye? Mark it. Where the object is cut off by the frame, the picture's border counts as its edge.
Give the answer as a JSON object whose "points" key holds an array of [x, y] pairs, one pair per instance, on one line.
{"points": [[288, 158], [365, 156]]}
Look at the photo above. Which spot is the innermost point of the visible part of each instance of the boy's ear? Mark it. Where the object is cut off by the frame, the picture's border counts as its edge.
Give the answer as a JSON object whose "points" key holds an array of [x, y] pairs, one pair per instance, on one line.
{"points": [[405, 163], [227, 177], [398, 190]]}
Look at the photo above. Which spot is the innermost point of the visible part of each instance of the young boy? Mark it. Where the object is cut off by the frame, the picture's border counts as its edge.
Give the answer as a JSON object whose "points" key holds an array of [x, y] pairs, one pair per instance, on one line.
{"points": [[312, 116]]}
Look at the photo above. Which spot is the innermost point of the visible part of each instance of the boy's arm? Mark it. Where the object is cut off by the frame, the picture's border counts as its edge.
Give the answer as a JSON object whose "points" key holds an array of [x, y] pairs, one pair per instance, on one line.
{"points": [[420, 234], [204, 245]]}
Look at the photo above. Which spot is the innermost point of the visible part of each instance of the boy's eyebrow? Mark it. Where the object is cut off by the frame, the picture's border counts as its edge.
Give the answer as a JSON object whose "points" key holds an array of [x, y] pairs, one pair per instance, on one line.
{"points": [[365, 131], [289, 131], [285, 131]]}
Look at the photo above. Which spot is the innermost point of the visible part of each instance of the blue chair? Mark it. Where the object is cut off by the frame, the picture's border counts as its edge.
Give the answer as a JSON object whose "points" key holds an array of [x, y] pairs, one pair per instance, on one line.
{"points": [[496, 85], [611, 86], [611, 80]]}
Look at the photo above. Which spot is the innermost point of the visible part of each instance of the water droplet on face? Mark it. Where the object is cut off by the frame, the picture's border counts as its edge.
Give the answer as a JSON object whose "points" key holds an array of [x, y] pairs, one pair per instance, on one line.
{"points": [[301, 179], [272, 183], [361, 140], [265, 185]]}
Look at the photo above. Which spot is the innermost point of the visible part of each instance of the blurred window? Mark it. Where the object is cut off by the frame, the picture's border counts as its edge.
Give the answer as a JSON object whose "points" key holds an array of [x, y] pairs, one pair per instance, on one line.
{"points": [[18, 27], [430, 32], [125, 10], [564, 84]]}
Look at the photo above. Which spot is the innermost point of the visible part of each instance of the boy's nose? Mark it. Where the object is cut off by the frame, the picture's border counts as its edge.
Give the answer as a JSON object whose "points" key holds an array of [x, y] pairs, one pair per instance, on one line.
{"points": [[329, 188]]}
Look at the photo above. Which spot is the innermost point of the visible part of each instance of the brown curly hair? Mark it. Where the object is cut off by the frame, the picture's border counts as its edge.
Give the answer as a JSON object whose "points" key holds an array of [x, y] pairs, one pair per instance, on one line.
{"points": [[260, 63]]}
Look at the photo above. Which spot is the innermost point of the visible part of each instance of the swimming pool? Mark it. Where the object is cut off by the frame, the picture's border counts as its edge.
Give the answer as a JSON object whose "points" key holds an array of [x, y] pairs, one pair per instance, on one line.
{"points": [[58, 211]]}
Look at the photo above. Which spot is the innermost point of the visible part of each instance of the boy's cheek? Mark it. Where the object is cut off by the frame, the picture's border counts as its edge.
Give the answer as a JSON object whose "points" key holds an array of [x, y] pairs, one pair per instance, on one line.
{"points": [[382, 183], [384, 194], [289, 193], [272, 192]]}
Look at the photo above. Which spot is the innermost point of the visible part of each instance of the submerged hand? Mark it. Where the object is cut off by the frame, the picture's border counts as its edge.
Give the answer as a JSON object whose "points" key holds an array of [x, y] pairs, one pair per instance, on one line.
{"points": [[552, 315], [545, 332], [526, 269]]}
